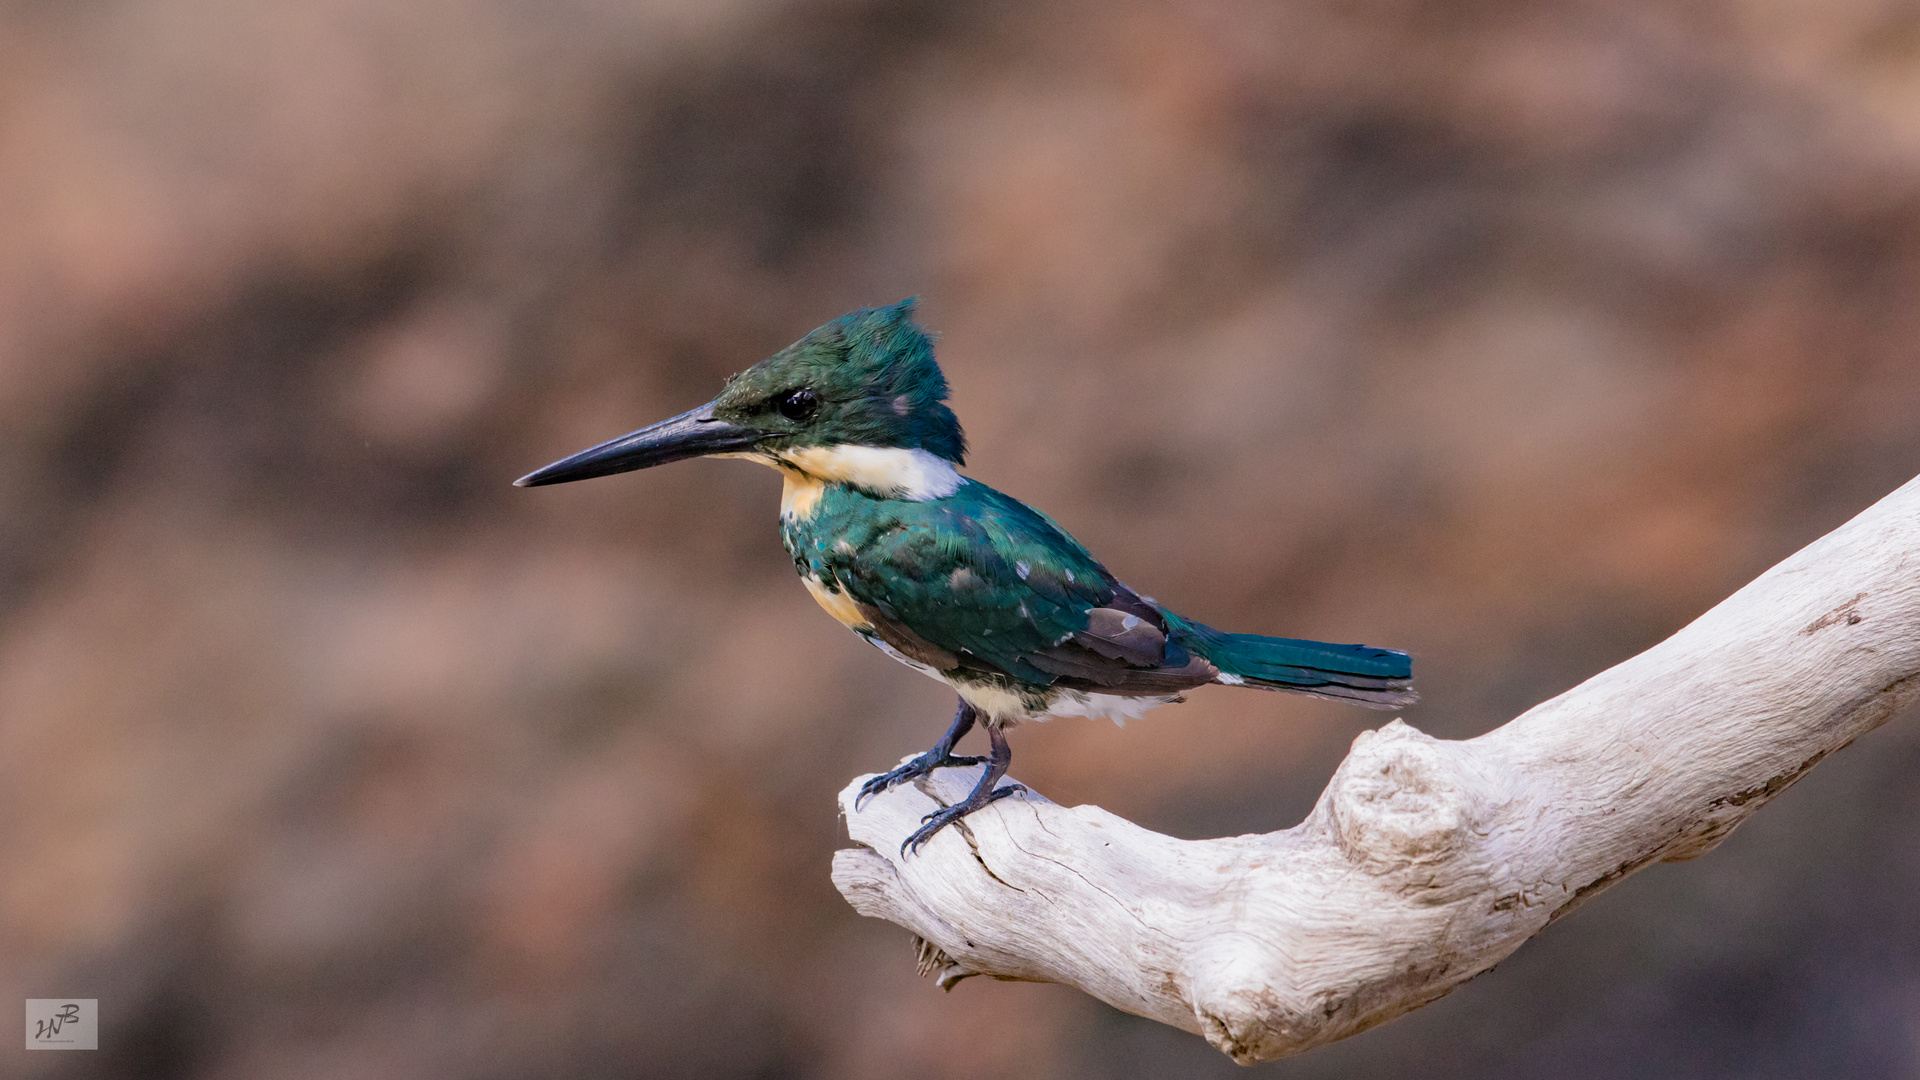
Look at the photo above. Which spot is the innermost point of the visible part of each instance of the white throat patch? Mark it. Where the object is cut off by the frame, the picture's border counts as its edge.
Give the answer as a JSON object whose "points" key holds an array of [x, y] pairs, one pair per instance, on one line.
{"points": [[897, 474]]}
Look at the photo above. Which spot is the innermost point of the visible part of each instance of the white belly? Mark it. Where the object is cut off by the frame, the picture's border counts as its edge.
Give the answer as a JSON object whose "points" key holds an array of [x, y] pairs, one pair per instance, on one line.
{"points": [[1106, 706], [1007, 707]]}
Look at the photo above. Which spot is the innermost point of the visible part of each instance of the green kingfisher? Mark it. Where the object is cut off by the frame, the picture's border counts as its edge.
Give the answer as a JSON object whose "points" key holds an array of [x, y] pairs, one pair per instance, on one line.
{"points": [[945, 574]]}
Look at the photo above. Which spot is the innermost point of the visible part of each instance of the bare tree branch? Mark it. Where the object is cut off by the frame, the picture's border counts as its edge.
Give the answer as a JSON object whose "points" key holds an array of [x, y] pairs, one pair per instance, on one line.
{"points": [[1425, 861]]}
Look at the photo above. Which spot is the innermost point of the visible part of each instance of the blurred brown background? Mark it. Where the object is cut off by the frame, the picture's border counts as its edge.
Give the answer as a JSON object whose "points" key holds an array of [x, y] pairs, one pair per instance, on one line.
{"points": [[1514, 334]]}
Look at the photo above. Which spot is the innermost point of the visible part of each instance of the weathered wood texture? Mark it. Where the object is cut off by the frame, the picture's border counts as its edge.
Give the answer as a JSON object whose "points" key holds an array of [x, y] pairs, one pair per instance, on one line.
{"points": [[1425, 861]]}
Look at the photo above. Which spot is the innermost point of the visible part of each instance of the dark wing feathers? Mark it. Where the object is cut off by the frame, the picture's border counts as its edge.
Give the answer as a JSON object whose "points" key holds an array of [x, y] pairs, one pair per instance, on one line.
{"points": [[980, 581], [1118, 635]]}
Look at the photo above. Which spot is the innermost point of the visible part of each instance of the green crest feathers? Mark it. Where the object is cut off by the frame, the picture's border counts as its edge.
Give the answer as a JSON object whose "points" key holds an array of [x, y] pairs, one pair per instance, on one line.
{"points": [[876, 380], [894, 358]]}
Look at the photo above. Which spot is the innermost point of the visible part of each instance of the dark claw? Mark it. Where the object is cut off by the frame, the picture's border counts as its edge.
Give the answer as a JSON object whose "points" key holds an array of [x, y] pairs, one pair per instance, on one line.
{"points": [[939, 757], [912, 770], [947, 815]]}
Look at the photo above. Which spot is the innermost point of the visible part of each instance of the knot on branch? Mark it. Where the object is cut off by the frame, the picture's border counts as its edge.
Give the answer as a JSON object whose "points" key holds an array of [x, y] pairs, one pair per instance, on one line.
{"points": [[1243, 1018], [1403, 799]]}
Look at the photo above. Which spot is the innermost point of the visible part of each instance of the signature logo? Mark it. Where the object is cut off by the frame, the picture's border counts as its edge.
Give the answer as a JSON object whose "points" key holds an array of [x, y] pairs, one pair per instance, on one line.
{"points": [[66, 1014], [63, 1024]]}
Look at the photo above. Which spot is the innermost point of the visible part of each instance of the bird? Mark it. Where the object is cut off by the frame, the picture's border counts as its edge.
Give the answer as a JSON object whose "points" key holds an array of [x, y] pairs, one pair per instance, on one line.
{"points": [[948, 575]]}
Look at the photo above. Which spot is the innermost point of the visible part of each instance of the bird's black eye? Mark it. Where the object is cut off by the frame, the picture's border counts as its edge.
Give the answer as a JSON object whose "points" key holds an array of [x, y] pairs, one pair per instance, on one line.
{"points": [[799, 405]]}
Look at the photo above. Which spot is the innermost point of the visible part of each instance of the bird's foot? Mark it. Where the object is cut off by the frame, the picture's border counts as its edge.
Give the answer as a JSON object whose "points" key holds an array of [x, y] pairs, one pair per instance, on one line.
{"points": [[912, 770], [947, 815]]}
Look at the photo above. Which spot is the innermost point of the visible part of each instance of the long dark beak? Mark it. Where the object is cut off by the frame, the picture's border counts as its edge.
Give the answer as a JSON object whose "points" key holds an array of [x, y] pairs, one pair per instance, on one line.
{"points": [[691, 434]]}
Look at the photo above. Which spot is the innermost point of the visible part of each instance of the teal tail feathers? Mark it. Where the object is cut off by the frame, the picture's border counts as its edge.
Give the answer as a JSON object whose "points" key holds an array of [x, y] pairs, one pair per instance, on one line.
{"points": [[1362, 674]]}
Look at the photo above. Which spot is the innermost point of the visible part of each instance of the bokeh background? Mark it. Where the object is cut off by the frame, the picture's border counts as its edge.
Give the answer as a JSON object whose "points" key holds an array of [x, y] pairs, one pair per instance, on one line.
{"points": [[1512, 333]]}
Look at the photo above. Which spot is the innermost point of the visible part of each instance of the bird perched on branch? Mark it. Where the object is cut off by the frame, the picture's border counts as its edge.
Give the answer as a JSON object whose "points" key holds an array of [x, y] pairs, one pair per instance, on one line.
{"points": [[947, 575]]}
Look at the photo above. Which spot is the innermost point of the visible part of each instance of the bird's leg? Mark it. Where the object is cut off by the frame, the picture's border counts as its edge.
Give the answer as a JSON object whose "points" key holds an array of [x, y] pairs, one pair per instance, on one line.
{"points": [[983, 793], [939, 757]]}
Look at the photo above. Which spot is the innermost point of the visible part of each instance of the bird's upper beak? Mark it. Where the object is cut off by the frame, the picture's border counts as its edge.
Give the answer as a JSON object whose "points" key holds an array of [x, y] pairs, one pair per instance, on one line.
{"points": [[691, 434]]}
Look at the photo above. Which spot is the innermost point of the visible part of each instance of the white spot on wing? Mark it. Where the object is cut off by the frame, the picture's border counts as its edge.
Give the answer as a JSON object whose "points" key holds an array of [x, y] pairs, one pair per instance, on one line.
{"points": [[1022, 569], [1229, 679]]}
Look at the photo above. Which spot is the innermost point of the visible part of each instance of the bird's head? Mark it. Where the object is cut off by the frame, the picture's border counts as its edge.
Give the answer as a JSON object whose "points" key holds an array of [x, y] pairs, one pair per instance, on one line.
{"points": [[866, 379]]}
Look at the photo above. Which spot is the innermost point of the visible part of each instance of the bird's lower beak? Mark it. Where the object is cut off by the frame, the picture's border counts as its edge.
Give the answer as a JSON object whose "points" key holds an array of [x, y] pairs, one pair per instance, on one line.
{"points": [[691, 434]]}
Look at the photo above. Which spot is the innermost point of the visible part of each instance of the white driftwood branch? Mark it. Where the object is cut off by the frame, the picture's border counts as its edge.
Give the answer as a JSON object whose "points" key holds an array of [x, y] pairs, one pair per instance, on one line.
{"points": [[1425, 861]]}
